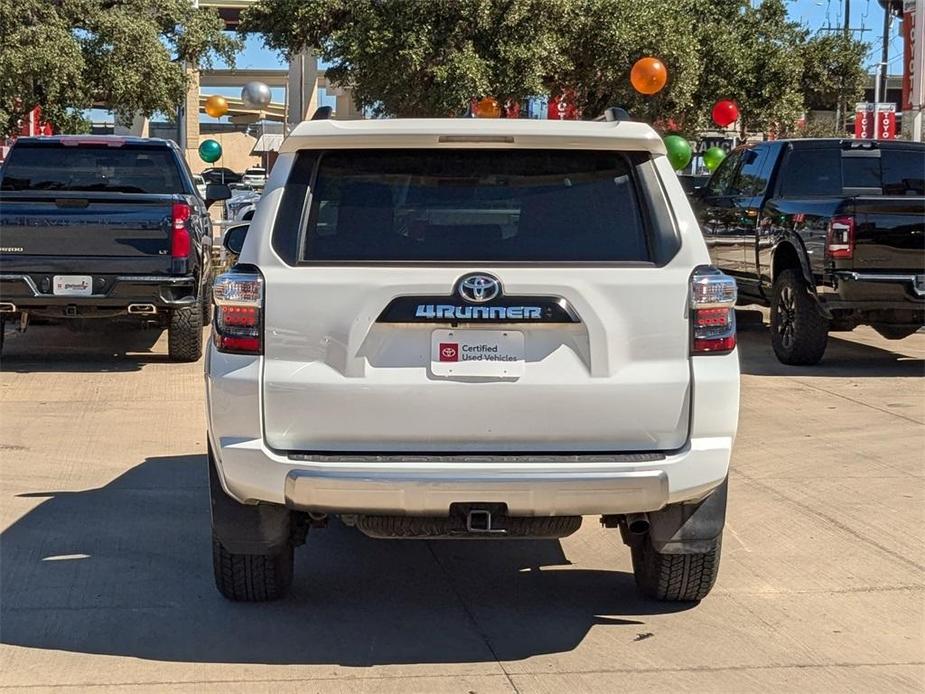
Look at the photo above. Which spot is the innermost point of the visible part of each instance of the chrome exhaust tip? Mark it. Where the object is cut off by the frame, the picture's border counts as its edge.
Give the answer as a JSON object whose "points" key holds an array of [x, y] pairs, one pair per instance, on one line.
{"points": [[637, 523], [7, 307], [143, 309]]}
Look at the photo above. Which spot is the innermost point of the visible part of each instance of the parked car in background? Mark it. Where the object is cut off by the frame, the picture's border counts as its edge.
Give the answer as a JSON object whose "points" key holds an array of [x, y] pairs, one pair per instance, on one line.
{"points": [[101, 227], [221, 174], [691, 183], [429, 346], [255, 176], [242, 206], [829, 233], [200, 184]]}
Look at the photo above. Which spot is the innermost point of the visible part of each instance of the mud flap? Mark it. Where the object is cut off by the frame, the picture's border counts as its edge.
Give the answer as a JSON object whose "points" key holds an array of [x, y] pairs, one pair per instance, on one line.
{"points": [[246, 529], [689, 528]]}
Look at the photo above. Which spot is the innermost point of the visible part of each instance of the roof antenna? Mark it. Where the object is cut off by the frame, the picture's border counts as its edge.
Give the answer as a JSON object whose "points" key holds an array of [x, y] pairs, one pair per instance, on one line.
{"points": [[323, 113], [614, 113]]}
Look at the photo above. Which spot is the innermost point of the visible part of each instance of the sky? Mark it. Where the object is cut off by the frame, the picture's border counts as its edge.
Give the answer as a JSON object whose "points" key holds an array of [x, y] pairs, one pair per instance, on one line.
{"points": [[814, 14]]}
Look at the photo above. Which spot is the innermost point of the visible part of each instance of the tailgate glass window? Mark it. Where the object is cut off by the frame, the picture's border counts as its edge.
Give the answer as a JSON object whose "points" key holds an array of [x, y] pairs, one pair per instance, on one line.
{"points": [[903, 172], [474, 205], [91, 168]]}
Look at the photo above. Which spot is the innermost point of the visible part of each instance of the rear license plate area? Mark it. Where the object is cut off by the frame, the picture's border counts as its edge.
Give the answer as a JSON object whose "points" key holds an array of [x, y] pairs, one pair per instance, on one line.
{"points": [[477, 353], [72, 285]]}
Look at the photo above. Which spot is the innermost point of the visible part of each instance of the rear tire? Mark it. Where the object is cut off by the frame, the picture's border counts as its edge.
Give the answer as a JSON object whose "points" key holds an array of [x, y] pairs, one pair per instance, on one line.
{"points": [[799, 331], [252, 577], [184, 333], [675, 577]]}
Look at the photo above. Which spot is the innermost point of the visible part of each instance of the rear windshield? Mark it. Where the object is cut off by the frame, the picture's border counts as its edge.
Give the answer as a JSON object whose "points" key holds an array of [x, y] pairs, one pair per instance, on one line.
{"points": [[89, 168], [828, 172], [474, 205]]}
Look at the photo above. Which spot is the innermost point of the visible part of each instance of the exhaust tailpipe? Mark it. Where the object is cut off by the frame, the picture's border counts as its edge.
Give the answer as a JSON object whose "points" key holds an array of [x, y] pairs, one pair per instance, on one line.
{"points": [[637, 523], [7, 307], [144, 309]]}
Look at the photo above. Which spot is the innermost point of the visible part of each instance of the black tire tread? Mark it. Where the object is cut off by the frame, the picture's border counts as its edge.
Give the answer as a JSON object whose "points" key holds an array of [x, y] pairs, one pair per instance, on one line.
{"points": [[252, 577], [184, 333], [675, 577], [812, 328]]}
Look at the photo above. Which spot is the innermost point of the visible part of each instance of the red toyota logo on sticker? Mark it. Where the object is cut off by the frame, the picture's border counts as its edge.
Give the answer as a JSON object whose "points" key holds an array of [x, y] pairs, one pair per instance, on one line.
{"points": [[449, 351]]}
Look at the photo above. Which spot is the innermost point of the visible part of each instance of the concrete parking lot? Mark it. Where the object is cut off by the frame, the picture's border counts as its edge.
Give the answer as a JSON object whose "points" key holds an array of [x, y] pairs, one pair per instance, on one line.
{"points": [[106, 571]]}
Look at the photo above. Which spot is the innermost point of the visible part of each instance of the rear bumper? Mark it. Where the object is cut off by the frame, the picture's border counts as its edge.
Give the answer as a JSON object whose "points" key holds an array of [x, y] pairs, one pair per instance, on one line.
{"points": [[877, 290], [538, 486], [110, 292]]}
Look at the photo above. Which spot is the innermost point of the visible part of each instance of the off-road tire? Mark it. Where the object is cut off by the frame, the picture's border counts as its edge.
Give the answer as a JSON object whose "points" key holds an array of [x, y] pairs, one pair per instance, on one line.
{"points": [[895, 332], [799, 331], [675, 577], [206, 301], [184, 333], [252, 577]]}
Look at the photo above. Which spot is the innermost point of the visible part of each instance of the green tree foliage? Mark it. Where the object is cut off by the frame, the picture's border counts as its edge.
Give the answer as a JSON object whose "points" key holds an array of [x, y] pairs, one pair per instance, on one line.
{"points": [[430, 58], [832, 64], [127, 55]]}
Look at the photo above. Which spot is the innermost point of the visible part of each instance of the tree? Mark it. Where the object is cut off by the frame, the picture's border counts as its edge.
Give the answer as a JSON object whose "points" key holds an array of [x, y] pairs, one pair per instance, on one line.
{"points": [[430, 58], [127, 55], [832, 66]]}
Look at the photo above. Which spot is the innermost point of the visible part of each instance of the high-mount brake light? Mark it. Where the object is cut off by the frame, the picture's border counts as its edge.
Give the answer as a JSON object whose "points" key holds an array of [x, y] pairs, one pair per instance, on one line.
{"points": [[840, 238], [238, 327], [179, 231], [713, 323]]}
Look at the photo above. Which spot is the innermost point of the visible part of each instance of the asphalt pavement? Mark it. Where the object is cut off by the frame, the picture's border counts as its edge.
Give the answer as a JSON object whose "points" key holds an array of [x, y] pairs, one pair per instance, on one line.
{"points": [[105, 569]]}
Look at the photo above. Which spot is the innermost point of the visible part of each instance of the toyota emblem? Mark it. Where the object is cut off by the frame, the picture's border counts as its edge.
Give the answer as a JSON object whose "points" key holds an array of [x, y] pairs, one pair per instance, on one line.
{"points": [[479, 288]]}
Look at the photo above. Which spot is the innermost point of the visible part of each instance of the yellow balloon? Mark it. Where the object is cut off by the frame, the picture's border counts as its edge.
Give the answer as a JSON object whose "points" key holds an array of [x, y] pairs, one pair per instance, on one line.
{"points": [[488, 107], [216, 106]]}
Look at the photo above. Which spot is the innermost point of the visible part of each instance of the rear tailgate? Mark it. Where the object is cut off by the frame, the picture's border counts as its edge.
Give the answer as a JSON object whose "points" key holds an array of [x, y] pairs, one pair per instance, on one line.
{"points": [[87, 225], [889, 233], [363, 333]]}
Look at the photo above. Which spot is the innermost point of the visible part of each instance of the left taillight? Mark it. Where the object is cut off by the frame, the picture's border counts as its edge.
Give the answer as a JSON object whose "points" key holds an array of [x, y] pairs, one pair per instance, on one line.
{"points": [[179, 231], [238, 326], [839, 242], [713, 321]]}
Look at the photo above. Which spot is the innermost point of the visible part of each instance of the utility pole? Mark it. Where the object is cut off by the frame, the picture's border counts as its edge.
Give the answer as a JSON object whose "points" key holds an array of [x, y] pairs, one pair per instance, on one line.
{"points": [[885, 52]]}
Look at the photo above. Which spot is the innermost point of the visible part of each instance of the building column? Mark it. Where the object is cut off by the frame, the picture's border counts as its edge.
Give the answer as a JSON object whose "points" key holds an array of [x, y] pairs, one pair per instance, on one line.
{"points": [[345, 109], [189, 120], [302, 88], [137, 128]]}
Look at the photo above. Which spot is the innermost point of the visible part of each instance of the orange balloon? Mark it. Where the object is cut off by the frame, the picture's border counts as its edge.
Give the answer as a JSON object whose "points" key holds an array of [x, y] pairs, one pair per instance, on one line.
{"points": [[488, 107], [648, 75], [216, 106]]}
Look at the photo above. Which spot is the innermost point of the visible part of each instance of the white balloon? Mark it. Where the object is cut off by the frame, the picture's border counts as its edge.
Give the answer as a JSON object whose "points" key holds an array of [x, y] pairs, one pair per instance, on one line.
{"points": [[256, 95]]}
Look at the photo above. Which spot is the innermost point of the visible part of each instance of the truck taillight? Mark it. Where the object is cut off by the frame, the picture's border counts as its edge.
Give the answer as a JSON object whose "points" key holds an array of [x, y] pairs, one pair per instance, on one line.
{"points": [[179, 232], [840, 238], [238, 326], [713, 321]]}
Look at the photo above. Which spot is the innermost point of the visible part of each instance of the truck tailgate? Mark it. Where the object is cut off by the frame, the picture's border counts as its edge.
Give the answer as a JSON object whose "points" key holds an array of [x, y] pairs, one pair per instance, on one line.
{"points": [[889, 233]]}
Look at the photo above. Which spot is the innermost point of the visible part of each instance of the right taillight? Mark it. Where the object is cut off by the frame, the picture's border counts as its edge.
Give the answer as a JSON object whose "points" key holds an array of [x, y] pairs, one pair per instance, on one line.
{"points": [[238, 326], [713, 320], [839, 241]]}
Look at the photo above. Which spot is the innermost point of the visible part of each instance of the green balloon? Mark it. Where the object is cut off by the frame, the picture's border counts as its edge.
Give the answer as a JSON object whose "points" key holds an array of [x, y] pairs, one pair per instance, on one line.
{"points": [[210, 151], [679, 151], [712, 157]]}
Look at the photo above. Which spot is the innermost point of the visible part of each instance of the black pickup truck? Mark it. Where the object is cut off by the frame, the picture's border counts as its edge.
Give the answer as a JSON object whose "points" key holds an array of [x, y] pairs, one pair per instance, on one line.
{"points": [[102, 228], [829, 233]]}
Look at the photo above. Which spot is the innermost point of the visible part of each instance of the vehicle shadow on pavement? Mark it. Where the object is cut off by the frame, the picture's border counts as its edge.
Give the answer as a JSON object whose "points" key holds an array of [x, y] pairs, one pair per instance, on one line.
{"points": [[58, 349], [843, 358], [125, 570]]}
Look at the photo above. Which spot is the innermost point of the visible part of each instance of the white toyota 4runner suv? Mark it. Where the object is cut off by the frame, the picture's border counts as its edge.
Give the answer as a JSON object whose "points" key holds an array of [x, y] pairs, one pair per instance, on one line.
{"points": [[472, 329]]}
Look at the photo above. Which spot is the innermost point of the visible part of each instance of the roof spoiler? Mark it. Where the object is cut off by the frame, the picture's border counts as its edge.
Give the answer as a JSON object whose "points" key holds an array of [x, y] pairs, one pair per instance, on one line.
{"points": [[323, 113], [614, 113]]}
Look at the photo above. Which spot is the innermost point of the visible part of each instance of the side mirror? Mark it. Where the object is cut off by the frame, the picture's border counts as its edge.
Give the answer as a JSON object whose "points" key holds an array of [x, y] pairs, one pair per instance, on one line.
{"points": [[233, 241], [216, 192]]}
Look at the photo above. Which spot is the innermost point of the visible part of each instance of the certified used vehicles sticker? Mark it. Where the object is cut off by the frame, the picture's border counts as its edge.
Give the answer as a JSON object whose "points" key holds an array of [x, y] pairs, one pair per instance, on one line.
{"points": [[479, 353]]}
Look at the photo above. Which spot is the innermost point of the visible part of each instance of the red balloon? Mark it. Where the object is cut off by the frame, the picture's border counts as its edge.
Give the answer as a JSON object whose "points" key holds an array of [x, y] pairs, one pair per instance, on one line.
{"points": [[725, 112]]}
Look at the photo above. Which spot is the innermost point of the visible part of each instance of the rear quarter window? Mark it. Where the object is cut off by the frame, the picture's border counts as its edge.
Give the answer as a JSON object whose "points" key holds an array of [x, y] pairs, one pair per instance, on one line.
{"points": [[472, 206]]}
